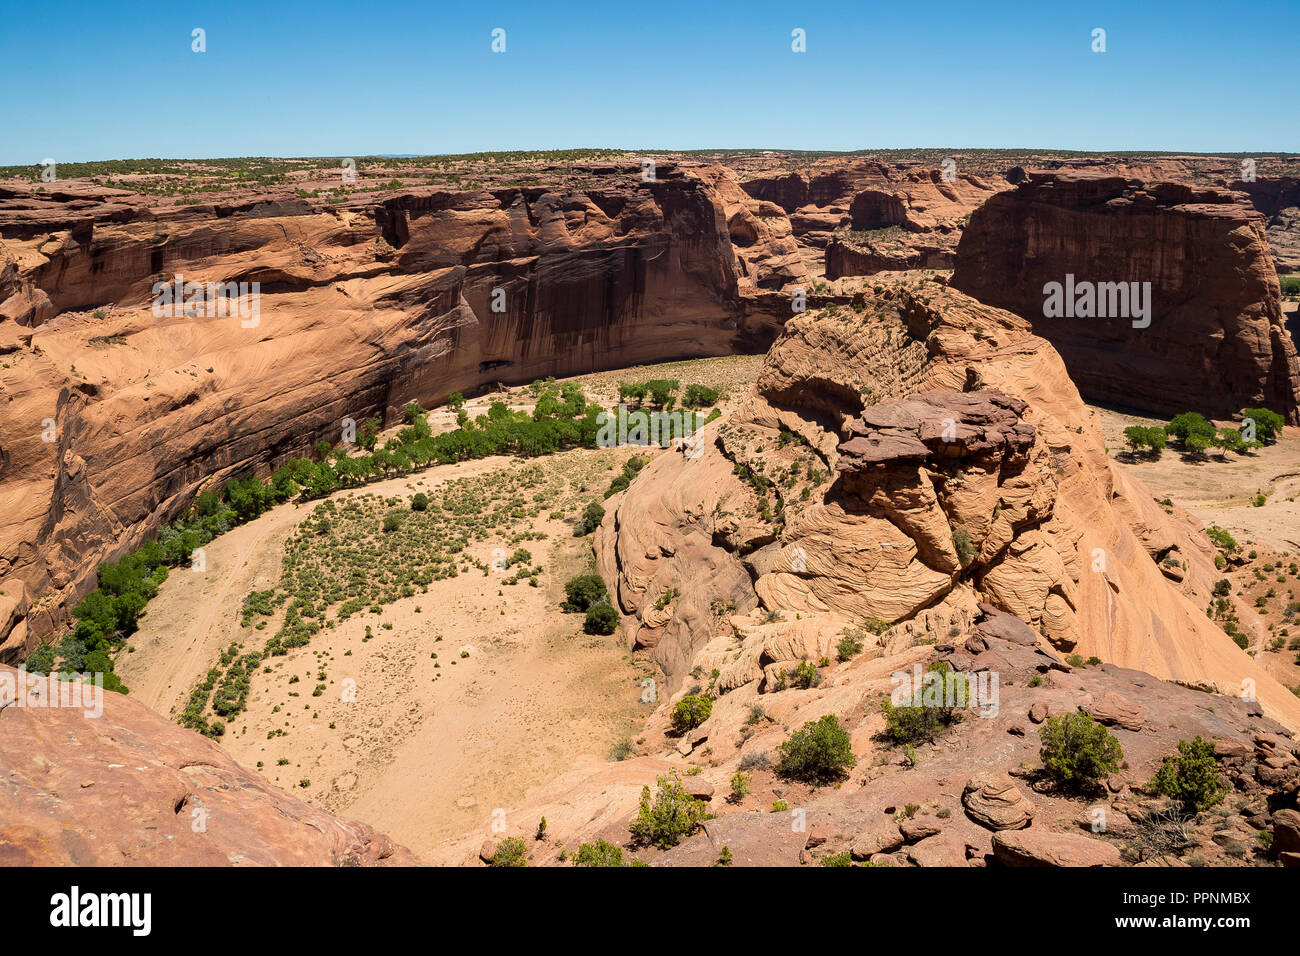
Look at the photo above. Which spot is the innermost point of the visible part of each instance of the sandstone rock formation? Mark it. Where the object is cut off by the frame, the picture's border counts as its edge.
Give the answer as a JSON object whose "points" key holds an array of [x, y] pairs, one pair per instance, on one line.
{"points": [[1215, 342], [111, 418], [833, 496], [111, 783]]}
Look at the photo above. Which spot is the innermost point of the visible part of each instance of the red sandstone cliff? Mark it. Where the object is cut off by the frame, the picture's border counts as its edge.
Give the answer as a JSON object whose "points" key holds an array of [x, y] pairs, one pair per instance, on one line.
{"points": [[366, 304], [1216, 341]]}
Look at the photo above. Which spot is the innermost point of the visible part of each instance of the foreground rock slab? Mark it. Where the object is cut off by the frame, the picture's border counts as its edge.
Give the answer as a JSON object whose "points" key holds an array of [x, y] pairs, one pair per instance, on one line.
{"points": [[128, 788]]}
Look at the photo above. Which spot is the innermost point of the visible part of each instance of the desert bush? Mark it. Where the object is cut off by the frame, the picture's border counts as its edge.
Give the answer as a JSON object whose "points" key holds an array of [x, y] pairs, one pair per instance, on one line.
{"points": [[600, 853], [739, 785], [510, 852], [1191, 776], [691, 711], [963, 545], [1077, 752], [419, 501], [601, 619], [590, 520], [631, 468], [1220, 538], [804, 676], [583, 592], [669, 816], [817, 752], [914, 723], [850, 645]]}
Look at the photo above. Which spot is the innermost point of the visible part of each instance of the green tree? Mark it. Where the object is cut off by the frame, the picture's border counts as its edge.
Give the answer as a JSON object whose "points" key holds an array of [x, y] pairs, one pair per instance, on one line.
{"points": [[1189, 424], [1077, 752], [819, 751], [601, 619], [669, 816], [584, 591], [1268, 424], [691, 711], [1191, 776]]}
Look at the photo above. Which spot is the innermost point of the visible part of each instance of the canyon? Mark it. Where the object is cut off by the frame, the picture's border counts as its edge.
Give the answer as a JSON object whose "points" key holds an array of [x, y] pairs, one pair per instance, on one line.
{"points": [[912, 464]]}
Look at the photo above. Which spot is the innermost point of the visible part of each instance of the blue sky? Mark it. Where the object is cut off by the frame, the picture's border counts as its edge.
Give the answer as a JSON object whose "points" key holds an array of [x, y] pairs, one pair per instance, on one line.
{"points": [[87, 81]]}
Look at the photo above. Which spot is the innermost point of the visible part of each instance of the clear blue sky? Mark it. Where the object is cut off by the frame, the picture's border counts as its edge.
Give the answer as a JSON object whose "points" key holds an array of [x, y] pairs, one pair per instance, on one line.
{"points": [[104, 80]]}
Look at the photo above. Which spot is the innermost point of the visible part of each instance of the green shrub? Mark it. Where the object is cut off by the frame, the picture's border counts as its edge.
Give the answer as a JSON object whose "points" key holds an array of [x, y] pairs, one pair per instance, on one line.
{"points": [[601, 619], [914, 723], [836, 859], [510, 852], [1077, 751], [583, 592], [1191, 776], [963, 545], [739, 784], [804, 676], [392, 521], [670, 816], [700, 396], [419, 501], [631, 468], [600, 853], [590, 520], [41, 660], [1220, 538], [850, 645], [690, 712], [819, 751], [1268, 424]]}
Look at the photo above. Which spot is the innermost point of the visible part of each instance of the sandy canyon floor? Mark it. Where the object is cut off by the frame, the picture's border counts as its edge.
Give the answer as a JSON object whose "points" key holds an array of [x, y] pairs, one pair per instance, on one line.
{"points": [[466, 696]]}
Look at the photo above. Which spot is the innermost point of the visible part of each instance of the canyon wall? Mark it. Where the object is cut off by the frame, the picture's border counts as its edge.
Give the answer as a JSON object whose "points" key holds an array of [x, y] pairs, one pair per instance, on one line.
{"points": [[111, 418], [1216, 341]]}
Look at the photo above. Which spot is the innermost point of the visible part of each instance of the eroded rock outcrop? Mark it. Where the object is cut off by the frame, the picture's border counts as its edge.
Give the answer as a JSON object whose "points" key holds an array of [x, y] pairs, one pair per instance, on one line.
{"points": [[112, 418], [1212, 339], [108, 782], [901, 462]]}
